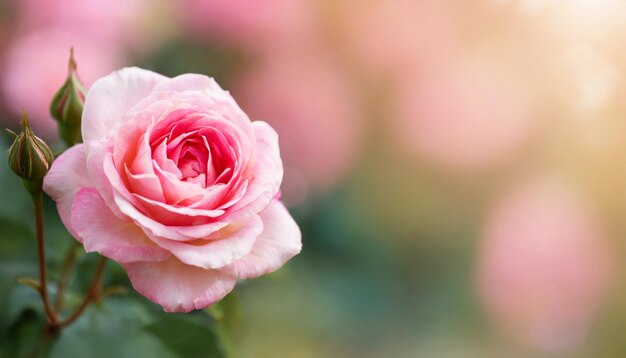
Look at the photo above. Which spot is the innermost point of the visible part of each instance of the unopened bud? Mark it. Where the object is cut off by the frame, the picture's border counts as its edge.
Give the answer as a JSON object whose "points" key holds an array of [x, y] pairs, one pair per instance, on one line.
{"points": [[29, 156], [67, 105]]}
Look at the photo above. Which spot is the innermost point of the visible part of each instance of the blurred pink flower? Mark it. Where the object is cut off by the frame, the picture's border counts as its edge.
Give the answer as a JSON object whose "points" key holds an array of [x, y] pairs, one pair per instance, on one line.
{"points": [[36, 67], [313, 107], [245, 22], [389, 36], [543, 267], [115, 22], [462, 115]]}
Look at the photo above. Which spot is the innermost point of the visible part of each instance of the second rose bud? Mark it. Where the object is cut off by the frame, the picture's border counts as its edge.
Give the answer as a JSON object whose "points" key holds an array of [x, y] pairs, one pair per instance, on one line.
{"points": [[67, 105]]}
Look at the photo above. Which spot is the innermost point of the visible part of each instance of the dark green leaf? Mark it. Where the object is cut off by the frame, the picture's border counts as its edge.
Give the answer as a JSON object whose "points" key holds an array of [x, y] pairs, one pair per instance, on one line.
{"points": [[24, 337], [187, 336], [113, 328], [226, 314]]}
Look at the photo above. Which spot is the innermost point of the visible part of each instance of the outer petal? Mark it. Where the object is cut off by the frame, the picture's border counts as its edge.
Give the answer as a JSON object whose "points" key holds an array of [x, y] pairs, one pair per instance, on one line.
{"points": [[268, 174], [190, 82], [103, 232], [220, 249], [279, 242], [179, 287], [66, 177], [112, 96], [210, 91], [98, 158]]}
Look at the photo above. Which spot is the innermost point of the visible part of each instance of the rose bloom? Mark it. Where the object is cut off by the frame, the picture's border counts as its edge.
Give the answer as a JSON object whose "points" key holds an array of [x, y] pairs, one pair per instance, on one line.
{"points": [[544, 267], [176, 184]]}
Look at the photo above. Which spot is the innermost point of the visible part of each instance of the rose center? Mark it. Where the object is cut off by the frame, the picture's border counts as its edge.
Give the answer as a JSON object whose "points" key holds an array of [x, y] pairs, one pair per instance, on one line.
{"points": [[192, 166], [203, 156]]}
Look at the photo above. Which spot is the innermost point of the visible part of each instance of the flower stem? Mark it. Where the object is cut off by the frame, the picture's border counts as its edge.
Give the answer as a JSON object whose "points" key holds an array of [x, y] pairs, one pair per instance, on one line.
{"points": [[54, 324], [41, 255], [68, 264], [92, 294]]}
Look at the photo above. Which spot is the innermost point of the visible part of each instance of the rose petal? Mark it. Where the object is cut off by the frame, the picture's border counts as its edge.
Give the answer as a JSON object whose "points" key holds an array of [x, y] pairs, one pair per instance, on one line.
{"points": [[176, 215], [159, 155], [104, 176], [179, 287], [207, 90], [268, 171], [130, 143], [153, 227], [111, 97], [279, 242], [146, 185], [222, 248], [189, 82], [174, 189], [65, 178], [103, 232]]}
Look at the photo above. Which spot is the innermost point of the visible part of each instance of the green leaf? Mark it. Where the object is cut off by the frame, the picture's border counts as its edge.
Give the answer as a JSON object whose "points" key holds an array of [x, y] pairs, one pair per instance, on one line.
{"points": [[226, 314], [23, 338], [21, 299], [112, 328], [187, 336]]}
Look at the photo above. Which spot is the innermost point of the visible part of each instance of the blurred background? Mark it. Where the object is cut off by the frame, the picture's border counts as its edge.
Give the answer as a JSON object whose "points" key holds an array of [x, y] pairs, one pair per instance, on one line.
{"points": [[457, 168]]}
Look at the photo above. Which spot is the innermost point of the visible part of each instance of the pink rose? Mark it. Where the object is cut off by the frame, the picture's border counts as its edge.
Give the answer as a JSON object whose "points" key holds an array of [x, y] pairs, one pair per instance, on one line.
{"points": [[176, 184]]}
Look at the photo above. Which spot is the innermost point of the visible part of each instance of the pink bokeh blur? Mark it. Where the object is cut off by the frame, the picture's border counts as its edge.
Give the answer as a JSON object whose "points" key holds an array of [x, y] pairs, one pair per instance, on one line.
{"points": [[113, 22], [29, 81], [388, 37], [544, 266], [462, 114], [314, 109], [245, 24], [101, 33]]}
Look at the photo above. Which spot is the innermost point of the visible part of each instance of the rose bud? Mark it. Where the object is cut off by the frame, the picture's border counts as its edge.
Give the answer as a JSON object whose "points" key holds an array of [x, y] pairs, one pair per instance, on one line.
{"points": [[30, 157], [67, 105]]}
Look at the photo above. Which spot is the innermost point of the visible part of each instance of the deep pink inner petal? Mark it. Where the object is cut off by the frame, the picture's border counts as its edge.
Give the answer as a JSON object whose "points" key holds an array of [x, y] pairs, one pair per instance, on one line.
{"points": [[187, 165]]}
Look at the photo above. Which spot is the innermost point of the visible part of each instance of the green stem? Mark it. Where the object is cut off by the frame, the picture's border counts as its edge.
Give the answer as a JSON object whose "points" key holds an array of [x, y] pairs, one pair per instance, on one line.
{"points": [[68, 264], [92, 293], [41, 255]]}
